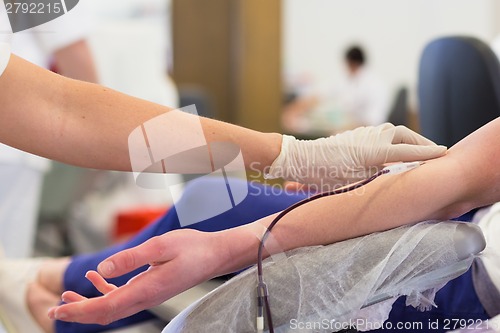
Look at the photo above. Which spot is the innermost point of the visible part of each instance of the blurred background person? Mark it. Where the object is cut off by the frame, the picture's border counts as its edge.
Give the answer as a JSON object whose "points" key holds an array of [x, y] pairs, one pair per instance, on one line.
{"points": [[361, 98]]}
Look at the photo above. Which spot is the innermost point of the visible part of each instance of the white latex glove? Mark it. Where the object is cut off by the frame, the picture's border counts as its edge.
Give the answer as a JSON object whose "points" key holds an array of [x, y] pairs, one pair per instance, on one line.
{"points": [[350, 156]]}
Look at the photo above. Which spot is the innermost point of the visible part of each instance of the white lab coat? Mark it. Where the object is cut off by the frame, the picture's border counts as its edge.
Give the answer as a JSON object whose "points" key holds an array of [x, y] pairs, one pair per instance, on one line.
{"points": [[363, 98]]}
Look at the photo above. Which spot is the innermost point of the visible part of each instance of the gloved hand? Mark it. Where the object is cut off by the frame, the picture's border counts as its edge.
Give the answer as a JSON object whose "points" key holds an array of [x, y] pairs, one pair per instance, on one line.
{"points": [[350, 156]]}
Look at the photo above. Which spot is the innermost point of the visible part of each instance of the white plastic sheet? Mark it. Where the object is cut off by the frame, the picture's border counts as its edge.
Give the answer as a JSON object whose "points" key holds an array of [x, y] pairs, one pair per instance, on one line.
{"points": [[326, 288]]}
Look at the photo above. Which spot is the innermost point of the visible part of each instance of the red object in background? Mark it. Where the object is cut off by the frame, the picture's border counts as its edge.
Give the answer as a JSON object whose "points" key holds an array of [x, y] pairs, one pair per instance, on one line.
{"points": [[130, 222], [53, 67]]}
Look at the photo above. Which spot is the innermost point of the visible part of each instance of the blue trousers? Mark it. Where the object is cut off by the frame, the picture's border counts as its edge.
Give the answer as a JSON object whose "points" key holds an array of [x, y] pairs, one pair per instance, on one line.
{"points": [[456, 300]]}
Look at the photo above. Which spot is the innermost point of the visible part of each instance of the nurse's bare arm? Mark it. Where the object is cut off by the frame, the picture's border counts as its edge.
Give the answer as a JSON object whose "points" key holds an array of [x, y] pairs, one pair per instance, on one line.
{"points": [[467, 177], [88, 125]]}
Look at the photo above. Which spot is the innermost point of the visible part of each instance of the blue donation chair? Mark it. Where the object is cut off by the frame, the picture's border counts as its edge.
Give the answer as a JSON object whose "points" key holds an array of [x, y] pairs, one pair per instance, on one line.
{"points": [[458, 88]]}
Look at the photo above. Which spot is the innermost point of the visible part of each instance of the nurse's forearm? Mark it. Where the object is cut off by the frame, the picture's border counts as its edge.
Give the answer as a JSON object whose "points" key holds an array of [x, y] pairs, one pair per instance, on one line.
{"points": [[89, 125]]}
